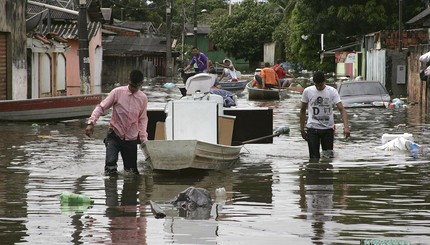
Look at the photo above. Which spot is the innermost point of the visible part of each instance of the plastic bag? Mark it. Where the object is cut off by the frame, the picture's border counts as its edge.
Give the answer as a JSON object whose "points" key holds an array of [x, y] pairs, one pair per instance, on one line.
{"points": [[398, 144], [425, 57]]}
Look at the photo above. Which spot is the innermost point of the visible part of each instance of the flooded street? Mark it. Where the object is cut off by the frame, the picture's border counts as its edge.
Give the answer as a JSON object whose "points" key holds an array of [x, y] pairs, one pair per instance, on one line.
{"points": [[274, 196]]}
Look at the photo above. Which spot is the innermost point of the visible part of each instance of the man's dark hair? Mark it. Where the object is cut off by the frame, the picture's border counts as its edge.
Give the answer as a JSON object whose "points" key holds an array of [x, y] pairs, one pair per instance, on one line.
{"points": [[318, 77], [279, 61], [267, 64], [195, 48], [136, 77]]}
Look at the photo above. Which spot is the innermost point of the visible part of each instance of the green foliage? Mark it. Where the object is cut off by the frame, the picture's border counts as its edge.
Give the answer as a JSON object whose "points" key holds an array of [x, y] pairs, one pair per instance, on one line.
{"points": [[244, 33], [133, 10], [341, 22], [187, 53]]}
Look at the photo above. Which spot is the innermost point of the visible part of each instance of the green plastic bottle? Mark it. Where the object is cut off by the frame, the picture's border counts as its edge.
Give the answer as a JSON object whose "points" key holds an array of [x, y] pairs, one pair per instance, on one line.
{"points": [[75, 199]]}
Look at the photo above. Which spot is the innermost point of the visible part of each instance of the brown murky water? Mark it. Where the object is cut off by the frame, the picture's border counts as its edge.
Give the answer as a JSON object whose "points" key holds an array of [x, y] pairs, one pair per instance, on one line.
{"points": [[273, 197]]}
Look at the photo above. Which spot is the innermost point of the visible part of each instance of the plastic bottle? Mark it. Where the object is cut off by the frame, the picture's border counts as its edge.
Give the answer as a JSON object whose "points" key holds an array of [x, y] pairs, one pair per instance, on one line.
{"points": [[75, 199], [220, 192]]}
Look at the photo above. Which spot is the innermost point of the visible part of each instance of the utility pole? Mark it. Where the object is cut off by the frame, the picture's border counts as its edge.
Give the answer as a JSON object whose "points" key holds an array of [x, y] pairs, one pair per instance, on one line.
{"points": [[400, 27], [183, 34], [168, 39], [229, 8], [84, 57], [195, 23]]}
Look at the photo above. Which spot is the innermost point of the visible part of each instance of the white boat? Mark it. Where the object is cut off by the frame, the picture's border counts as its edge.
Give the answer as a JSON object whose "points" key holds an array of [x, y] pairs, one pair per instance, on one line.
{"points": [[238, 85], [184, 154], [196, 132]]}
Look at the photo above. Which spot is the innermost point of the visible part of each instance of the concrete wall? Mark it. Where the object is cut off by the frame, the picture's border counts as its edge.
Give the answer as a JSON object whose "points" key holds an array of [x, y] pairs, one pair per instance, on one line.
{"points": [[12, 22], [269, 53], [393, 60], [96, 60], [72, 68], [116, 69]]}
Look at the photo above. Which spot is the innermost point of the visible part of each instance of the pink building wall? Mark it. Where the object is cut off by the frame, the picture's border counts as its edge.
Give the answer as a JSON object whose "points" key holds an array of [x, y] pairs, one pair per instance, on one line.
{"points": [[72, 66], [72, 69]]}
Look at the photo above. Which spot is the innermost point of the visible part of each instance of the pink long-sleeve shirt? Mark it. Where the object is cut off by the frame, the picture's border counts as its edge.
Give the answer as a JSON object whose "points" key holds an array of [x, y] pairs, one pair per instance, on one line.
{"points": [[129, 113]]}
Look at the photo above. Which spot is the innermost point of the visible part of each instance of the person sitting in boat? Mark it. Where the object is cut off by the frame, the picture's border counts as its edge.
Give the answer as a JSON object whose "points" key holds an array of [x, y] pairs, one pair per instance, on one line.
{"points": [[285, 79], [211, 67], [267, 78], [229, 71]]}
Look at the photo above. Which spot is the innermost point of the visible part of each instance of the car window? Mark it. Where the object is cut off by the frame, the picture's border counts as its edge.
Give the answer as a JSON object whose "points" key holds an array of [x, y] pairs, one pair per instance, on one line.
{"points": [[350, 89]]}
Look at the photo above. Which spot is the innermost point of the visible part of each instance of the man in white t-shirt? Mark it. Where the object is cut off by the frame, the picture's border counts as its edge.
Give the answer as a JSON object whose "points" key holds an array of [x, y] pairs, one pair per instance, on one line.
{"points": [[319, 100], [229, 71]]}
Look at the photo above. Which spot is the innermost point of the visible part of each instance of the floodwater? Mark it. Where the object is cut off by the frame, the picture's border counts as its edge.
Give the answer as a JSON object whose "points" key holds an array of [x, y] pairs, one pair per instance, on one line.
{"points": [[274, 196]]}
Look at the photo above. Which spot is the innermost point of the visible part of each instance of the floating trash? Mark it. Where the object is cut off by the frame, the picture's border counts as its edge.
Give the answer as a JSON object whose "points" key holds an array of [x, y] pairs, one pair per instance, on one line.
{"points": [[72, 199], [169, 85], [383, 242]]}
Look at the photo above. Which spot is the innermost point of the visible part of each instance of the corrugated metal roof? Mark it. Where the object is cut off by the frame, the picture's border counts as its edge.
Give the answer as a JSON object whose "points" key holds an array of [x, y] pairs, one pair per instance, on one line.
{"points": [[133, 46], [420, 18], [70, 31], [114, 28], [137, 25], [93, 9], [107, 15], [201, 28]]}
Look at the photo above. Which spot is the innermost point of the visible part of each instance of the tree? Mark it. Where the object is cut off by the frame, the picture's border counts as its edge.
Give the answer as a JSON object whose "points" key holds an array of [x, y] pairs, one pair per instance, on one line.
{"points": [[134, 10], [338, 21], [341, 22], [244, 33]]}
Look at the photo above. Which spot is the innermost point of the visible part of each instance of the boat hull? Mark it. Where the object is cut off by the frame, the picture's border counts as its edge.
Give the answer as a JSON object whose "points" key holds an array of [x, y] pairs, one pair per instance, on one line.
{"points": [[189, 154], [265, 94], [239, 85], [52, 108]]}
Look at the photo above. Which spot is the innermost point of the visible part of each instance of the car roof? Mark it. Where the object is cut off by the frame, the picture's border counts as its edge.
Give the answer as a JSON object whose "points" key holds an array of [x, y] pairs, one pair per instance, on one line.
{"points": [[355, 89], [361, 81]]}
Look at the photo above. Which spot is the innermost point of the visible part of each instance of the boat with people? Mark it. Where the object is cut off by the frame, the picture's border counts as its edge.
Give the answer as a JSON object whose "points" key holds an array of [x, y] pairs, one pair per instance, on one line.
{"points": [[230, 79], [255, 93], [196, 132], [230, 85]]}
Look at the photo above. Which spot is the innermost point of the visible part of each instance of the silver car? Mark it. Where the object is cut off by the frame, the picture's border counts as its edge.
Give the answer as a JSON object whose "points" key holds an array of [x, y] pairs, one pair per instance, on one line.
{"points": [[363, 93]]}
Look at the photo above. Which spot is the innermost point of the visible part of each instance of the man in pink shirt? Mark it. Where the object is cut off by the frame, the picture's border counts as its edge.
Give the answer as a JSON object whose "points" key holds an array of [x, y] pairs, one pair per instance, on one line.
{"points": [[127, 126]]}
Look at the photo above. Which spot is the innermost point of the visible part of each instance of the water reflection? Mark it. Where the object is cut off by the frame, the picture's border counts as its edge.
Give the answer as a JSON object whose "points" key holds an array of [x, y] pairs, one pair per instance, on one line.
{"points": [[273, 196], [127, 221], [317, 190]]}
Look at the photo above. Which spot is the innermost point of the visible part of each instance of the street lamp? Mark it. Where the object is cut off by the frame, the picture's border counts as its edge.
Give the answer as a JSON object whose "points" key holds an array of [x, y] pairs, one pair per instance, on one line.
{"points": [[305, 37], [84, 60]]}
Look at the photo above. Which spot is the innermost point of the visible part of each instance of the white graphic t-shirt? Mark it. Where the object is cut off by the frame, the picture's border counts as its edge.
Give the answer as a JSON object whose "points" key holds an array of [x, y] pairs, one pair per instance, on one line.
{"points": [[320, 106]]}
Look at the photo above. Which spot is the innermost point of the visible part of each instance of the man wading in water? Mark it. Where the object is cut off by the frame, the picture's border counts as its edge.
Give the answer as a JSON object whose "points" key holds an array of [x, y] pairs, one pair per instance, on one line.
{"points": [[319, 100], [127, 126]]}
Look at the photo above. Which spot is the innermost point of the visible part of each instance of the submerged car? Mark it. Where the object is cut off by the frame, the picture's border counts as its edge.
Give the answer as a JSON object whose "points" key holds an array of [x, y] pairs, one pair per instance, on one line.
{"points": [[363, 93]]}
